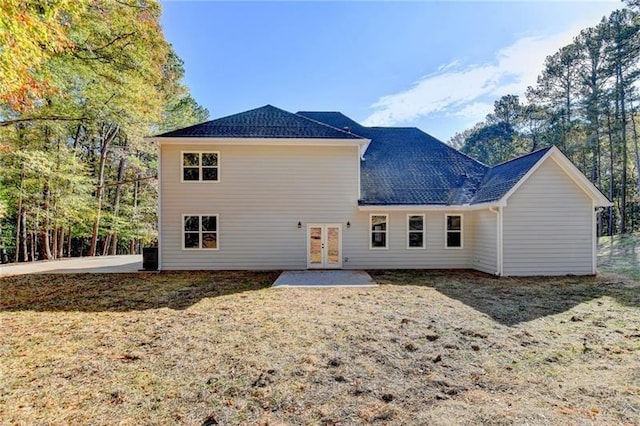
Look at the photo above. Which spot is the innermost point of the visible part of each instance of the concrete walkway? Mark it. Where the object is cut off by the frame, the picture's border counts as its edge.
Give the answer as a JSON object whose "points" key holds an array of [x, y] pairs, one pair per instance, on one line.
{"points": [[315, 279], [76, 265]]}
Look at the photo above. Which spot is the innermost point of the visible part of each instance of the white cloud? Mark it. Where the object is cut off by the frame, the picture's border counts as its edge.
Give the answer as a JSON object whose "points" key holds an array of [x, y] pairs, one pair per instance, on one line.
{"points": [[466, 91]]}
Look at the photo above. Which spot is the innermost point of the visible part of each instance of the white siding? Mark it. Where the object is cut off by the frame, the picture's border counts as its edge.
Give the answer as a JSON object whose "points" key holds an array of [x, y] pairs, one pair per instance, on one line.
{"points": [[548, 226], [485, 250], [397, 255], [264, 191]]}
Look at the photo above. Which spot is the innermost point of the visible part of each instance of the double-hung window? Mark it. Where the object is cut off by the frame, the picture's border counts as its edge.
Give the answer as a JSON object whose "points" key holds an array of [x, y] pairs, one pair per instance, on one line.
{"points": [[200, 232], [200, 166], [415, 231], [454, 231], [379, 225]]}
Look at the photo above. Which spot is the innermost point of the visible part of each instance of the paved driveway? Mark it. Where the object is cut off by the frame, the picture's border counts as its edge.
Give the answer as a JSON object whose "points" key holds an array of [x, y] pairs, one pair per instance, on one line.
{"points": [[76, 265]]}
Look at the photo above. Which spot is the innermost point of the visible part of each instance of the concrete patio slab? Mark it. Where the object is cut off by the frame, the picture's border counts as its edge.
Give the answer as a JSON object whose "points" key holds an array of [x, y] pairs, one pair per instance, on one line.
{"points": [[76, 265], [316, 279]]}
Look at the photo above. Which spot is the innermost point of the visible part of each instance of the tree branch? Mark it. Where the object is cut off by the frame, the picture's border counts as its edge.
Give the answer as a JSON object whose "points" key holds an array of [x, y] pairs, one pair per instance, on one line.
{"points": [[50, 118], [124, 182]]}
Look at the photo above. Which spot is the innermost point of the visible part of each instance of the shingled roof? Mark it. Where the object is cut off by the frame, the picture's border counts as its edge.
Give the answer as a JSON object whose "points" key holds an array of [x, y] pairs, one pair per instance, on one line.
{"points": [[264, 122], [501, 178]]}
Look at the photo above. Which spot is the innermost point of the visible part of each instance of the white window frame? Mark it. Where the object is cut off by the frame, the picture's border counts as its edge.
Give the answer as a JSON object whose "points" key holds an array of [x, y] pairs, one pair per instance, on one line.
{"points": [[200, 180], [446, 231], [424, 231], [371, 231], [217, 231]]}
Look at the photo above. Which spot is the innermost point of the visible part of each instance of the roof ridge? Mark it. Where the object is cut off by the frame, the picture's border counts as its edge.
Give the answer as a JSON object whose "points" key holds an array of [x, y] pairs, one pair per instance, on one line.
{"points": [[327, 125], [537, 151]]}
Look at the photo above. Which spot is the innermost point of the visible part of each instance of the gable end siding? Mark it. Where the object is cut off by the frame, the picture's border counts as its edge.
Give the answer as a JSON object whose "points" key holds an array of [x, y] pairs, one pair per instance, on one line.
{"points": [[548, 226]]}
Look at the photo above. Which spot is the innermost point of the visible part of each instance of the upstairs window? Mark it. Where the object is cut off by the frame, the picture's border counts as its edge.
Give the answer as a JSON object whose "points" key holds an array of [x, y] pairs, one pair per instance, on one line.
{"points": [[200, 166], [415, 231], [200, 232], [379, 224], [454, 231]]}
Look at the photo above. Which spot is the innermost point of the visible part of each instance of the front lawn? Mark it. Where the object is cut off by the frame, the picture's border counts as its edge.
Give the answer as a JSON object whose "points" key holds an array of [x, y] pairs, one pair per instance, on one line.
{"points": [[222, 348]]}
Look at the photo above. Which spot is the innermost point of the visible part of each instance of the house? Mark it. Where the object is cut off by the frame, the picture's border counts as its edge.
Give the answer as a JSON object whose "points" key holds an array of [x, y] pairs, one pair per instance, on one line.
{"points": [[270, 189]]}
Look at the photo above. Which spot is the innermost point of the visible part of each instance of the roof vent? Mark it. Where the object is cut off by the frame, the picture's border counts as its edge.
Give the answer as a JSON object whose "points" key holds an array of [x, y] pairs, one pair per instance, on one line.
{"points": [[347, 129]]}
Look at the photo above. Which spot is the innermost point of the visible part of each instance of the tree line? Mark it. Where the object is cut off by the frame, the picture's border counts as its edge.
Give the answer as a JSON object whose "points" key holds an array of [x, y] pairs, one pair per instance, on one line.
{"points": [[586, 102], [83, 83]]}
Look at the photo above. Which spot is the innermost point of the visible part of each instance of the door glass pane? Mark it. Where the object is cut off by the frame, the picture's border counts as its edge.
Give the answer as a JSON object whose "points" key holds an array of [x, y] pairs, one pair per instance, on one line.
{"points": [[315, 245], [333, 245]]}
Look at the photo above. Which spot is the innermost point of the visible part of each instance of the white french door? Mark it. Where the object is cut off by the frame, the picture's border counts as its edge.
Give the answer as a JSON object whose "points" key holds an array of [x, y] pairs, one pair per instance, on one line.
{"points": [[324, 246]]}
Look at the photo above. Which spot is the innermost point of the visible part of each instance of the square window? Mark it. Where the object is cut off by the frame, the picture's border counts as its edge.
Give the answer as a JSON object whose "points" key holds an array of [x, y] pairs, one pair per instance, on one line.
{"points": [[200, 232], [200, 167]]}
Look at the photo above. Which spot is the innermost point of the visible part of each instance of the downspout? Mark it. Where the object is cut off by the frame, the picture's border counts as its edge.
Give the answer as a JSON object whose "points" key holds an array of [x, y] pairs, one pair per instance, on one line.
{"points": [[499, 248], [594, 239]]}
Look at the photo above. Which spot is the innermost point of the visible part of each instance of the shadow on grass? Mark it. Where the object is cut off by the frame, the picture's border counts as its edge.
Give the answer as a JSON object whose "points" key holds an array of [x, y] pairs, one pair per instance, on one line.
{"points": [[124, 292], [514, 300]]}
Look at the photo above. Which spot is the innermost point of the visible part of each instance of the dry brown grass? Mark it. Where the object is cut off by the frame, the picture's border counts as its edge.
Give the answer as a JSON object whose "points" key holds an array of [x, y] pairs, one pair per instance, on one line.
{"points": [[220, 348]]}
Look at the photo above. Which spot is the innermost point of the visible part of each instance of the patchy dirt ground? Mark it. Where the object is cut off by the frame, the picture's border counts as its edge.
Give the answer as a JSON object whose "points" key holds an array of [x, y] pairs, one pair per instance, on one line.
{"points": [[220, 348]]}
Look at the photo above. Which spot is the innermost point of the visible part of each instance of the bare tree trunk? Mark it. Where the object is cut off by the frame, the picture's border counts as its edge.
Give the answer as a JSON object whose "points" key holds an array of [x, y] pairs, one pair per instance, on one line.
{"points": [[61, 243], [105, 245], [25, 253], [54, 243], [611, 176], [623, 136], [44, 233], [69, 244], [116, 204], [18, 229], [636, 148], [34, 241], [109, 135]]}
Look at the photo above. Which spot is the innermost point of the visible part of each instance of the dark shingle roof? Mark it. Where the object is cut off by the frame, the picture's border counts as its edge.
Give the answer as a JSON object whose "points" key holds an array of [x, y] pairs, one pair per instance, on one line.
{"points": [[501, 178], [408, 166], [265, 122]]}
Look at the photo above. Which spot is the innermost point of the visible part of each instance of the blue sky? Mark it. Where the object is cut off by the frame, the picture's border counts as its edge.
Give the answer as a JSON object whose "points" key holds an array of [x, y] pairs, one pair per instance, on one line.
{"points": [[435, 65]]}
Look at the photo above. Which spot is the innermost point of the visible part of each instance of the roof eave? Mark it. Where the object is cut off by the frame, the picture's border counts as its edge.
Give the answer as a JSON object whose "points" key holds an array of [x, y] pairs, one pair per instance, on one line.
{"points": [[361, 142], [428, 207]]}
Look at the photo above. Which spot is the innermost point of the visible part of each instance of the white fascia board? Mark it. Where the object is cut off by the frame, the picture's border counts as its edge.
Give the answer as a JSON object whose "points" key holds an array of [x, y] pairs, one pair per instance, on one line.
{"points": [[572, 171], [427, 207], [362, 143]]}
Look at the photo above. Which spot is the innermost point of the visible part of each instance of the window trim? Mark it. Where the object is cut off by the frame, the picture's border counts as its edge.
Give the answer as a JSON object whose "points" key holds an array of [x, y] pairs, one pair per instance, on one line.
{"points": [[424, 231], [200, 180], [371, 231], [217, 231], [446, 231]]}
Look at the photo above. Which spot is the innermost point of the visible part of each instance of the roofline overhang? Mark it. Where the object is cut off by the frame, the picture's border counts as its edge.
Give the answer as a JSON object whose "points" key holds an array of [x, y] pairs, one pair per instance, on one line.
{"points": [[362, 143], [429, 207], [255, 141]]}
